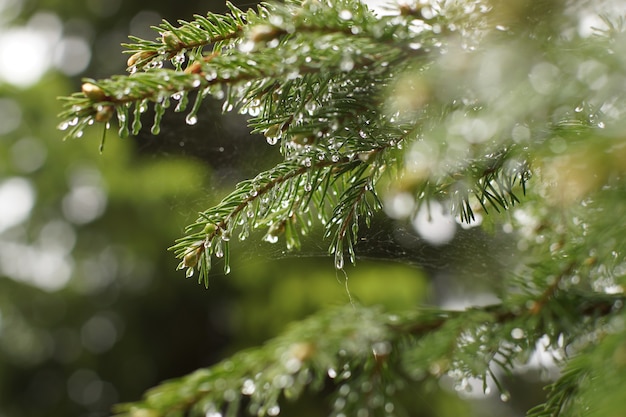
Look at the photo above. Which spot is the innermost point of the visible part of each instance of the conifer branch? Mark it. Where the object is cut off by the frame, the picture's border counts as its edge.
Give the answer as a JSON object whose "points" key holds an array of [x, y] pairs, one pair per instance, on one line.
{"points": [[351, 98], [357, 341]]}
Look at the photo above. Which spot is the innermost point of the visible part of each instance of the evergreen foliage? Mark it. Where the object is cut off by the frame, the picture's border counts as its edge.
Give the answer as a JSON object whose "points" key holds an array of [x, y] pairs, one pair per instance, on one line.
{"points": [[464, 103]]}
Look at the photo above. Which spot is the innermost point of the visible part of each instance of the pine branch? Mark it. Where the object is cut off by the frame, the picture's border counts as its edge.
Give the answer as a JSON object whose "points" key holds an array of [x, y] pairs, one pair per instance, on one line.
{"points": [[314, 76], [358, 344], [355, 101]]}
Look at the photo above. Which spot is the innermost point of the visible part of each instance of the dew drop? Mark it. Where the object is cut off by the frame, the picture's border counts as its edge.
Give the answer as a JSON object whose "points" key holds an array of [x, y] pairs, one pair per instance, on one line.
{"points": [[247, 46], [273, 410], [191, 119], [63, 126], [505, 396], [270, 238], [248, 387], [272, 140], [332, 373], [346, 64], [210, 75], [517, 333], [345, 15], [189, 272], [219, 250], [338, 260], [182, 103], [310, 106]]}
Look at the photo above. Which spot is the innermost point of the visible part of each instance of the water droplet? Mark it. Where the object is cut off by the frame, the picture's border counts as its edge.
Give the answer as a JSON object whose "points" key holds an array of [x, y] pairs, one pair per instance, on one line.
{"points": [[254, 111], [219, 250], [345, 15], [248, 387], [332, 373], [191, 119], [179, 58], [271, 238], [273, 410], [189, 272], [347, 63], [272, 140], [63, 126], [310, 106], [210, 75], [381, 348], [505, 396], [183, 101], [579, 108], [293, 365], [247, 46], [338, 260]]}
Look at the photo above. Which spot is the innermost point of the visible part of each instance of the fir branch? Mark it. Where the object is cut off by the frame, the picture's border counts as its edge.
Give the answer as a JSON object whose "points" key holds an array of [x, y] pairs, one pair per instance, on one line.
{"points": [[194, 35], [251, 207], [357, 341]]}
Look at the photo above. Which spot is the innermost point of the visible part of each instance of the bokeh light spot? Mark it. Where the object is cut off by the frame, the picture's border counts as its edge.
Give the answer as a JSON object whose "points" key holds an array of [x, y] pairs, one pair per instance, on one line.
{"points": [[434, 224], [17, 197]]}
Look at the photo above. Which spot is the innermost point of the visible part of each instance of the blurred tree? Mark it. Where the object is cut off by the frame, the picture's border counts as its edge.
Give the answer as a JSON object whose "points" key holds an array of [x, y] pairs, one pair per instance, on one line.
{"points": [[437, 114]]}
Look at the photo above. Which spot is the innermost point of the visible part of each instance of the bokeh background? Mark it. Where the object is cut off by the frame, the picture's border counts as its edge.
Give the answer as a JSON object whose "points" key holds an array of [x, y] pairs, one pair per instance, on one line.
{"points": [[92, 310]]}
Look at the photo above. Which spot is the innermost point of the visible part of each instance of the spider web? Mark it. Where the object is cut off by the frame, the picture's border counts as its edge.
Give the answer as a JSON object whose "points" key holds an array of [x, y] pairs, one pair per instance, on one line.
{"points": [[223, 142]]}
